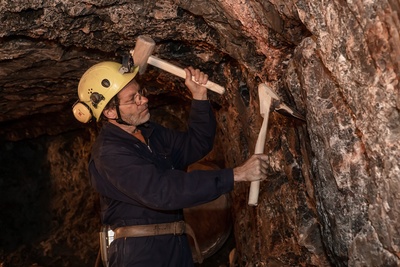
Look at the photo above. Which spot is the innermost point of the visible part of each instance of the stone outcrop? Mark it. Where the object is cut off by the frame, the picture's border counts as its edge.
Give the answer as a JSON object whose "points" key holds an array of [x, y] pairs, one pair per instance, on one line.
{"points": [[333, 194]]}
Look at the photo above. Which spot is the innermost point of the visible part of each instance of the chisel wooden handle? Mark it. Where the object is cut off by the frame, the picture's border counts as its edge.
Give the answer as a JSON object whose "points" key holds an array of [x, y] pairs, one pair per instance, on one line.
{"points": [[255, 185], [265, 104]]}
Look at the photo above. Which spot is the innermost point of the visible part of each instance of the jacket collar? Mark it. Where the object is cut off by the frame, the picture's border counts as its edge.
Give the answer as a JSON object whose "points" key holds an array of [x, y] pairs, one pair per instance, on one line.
{"points": [[146, 129]]}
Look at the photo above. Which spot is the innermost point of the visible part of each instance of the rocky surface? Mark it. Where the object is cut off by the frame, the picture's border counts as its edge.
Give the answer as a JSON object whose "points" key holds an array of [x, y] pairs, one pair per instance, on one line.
{"points": [[333, 194]]}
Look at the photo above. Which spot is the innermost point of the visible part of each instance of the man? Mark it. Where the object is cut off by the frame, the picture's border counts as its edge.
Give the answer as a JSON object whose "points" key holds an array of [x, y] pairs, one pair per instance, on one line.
{"points": [[138, 167]]}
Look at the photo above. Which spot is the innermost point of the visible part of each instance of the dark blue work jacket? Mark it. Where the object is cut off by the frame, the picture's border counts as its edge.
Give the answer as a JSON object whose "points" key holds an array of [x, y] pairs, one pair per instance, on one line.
{"points": [[147, 184]]}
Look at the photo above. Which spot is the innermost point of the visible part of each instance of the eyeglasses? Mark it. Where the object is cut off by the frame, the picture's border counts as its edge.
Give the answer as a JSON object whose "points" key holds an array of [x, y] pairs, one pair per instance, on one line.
{"points": [[137, 98]]}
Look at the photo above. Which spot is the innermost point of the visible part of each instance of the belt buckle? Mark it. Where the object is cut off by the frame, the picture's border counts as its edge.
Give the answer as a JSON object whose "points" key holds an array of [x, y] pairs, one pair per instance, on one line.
{"points": [[106, 237]]}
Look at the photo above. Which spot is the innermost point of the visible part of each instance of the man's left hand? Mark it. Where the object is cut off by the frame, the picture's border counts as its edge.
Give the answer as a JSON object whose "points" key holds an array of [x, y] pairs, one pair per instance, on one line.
{"points": [[199, 92]]}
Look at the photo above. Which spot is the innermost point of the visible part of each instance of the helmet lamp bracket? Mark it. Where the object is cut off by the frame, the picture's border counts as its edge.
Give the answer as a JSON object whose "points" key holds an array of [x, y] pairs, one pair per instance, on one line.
{"points": [[127, 64]]}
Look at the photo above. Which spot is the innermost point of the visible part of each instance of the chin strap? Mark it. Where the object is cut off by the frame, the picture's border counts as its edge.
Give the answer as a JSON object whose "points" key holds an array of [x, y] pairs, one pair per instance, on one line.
{"points": [[119, 119]]}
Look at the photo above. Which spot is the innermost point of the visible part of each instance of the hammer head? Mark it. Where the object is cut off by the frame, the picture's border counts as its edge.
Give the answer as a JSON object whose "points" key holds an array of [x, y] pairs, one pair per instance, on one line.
{"points": [[143, 49]]}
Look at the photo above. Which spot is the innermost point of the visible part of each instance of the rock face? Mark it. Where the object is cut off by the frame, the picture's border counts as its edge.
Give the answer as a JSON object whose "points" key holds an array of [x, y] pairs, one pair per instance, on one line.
{"points": [[333, 194]]}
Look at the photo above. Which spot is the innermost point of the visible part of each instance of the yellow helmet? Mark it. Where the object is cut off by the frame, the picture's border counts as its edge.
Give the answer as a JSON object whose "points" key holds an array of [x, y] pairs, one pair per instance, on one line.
{"points": [[98, 85]]}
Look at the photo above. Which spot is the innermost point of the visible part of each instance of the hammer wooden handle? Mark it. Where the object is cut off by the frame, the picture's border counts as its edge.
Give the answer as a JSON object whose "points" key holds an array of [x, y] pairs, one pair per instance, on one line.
{"points": [[164, 65]]}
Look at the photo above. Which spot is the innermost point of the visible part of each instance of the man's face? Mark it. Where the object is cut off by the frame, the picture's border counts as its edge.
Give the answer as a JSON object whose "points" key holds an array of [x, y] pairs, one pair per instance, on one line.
{"points": [[132, 105]]}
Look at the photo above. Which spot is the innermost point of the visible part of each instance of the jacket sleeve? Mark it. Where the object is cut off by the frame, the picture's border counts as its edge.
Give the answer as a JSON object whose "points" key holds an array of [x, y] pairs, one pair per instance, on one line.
{"points": [[191, 146], [130, 179]]}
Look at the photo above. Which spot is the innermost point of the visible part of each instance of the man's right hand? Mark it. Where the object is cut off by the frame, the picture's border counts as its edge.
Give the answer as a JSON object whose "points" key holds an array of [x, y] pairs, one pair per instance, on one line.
{"points": [[254, 169]]}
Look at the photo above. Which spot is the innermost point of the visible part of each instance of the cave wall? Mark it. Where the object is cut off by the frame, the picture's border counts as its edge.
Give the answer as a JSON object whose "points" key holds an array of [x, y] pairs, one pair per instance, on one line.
{"points": [[351, 91], [332, 197], [49, 211]]}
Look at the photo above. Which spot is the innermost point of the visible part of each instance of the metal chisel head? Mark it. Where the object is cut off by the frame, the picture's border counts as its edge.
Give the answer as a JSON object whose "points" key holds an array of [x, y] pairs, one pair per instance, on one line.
{"points": [[278, 105]]}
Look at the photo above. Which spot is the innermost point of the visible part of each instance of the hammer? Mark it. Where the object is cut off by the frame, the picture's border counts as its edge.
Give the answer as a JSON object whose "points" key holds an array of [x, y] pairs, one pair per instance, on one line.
{"points": [[142, 56], [268, 100]]}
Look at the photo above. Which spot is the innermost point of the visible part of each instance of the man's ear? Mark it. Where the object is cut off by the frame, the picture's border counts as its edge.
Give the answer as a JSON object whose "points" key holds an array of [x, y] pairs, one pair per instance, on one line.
{"points": [[110, 113]]}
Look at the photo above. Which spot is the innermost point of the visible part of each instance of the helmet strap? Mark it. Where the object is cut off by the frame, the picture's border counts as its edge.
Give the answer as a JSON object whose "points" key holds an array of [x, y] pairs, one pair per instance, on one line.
{"points": [[119, 119]]}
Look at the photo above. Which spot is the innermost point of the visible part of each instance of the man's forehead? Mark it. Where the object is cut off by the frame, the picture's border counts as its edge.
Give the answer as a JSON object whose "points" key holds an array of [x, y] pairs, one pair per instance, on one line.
{"points": [[131, 87], [132, 83]]}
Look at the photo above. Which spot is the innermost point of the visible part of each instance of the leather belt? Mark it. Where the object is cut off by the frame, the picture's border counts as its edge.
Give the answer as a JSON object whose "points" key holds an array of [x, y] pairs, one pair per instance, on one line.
{"points": [[174, 228]]}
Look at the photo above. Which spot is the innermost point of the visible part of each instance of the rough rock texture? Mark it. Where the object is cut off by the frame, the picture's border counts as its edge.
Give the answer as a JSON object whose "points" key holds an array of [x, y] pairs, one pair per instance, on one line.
{"points": [[349, 82], [333, 194]]}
